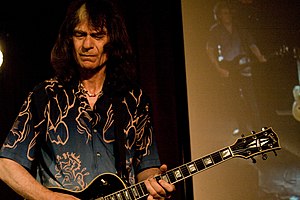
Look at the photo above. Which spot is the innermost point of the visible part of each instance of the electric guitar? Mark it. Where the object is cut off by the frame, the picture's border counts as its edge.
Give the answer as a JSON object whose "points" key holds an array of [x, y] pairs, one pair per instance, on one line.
{"points": [[235, 65], [240, 62], [296, 104], [110, 187], [296, 93]]}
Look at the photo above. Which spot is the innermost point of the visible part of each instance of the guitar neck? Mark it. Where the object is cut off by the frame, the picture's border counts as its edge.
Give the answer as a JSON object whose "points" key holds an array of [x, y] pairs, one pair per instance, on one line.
{"points": [[191, 168], [175, 175]]}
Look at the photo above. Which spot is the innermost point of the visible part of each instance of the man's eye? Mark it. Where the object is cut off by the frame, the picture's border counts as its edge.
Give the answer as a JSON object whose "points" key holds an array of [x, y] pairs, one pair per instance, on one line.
{"points": [[78, 34], [98, 36]]}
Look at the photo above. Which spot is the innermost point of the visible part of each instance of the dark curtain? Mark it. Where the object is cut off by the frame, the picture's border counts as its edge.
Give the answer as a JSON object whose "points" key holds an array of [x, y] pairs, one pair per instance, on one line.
{"points": [[155, 29]]}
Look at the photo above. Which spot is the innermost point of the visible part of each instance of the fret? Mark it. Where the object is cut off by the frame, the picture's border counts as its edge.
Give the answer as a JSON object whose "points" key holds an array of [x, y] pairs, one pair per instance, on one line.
{"points": [[111, 197], [178, 174], [139, 189], [159, 177], [119, 196], [226, 153], [216, 157], [144, 188], [208, 161], [134, 192], [130, 192], [115, 196], [184, 170], [126, 194], [171, 176], [192, 168], [165, 178], [200, 165]]}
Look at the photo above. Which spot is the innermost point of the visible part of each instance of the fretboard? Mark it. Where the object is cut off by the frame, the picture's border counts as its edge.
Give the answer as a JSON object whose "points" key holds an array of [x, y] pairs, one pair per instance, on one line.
{"points": [[175, 175]]}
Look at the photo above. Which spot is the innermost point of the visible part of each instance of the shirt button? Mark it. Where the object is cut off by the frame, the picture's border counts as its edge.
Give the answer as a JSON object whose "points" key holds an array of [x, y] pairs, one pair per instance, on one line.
{"points": [[95, 130], [98, 154]]}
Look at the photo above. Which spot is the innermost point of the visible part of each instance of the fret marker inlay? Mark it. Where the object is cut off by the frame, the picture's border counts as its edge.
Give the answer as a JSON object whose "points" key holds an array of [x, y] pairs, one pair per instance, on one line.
{"points": [[178, 174], [226, 153], [208, 161], [192, 168]]}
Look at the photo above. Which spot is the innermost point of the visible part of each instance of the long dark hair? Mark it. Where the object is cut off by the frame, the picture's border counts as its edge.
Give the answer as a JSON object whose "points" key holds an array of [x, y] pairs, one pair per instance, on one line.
{"points": [[101, 13]]}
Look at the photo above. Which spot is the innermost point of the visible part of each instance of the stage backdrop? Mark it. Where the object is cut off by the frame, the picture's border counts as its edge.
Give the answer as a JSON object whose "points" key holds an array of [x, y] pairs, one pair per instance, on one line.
{"points": [[274, 24]]}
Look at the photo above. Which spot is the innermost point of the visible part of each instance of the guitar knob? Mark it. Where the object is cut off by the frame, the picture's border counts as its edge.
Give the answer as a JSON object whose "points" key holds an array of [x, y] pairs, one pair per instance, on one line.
{"points": [[104, 182]]}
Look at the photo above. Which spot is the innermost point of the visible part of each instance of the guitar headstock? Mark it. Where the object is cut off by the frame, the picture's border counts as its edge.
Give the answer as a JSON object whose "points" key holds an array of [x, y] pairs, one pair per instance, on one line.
{"points": [[255, 144]]}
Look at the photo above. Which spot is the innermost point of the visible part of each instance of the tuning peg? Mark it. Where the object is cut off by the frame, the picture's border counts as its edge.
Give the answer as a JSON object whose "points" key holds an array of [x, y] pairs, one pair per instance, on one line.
{"points": [[264, 156], [253, 132], [253, 160], [275, 153]]}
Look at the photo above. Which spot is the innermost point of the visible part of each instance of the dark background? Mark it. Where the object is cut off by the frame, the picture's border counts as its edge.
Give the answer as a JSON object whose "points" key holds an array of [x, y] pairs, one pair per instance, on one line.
{"points": [[28, 30]]}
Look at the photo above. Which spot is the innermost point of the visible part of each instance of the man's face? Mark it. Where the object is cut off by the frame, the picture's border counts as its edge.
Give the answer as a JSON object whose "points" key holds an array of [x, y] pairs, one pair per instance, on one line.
{"points": [[88, 45], [225, 16]]}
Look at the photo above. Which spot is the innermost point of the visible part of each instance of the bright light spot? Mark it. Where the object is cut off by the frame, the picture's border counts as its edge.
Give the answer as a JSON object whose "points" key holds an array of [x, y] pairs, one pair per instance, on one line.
{"points": [[294, 198], [1, 58]]}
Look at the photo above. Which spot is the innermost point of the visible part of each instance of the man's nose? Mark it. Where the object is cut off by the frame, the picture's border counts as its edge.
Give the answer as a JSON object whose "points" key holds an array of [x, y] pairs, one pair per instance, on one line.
{"points": [[88, 42]]}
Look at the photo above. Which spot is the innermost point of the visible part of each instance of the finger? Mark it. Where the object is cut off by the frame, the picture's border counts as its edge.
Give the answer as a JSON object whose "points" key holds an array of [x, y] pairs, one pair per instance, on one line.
{"points": [[163, 168], [150, 197], [151, 189], [167, 186], [155, 189]]}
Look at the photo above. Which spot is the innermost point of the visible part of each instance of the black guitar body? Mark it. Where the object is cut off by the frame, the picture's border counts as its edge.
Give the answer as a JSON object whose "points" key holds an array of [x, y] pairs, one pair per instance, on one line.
{"points": [[236, 65], [101, 186]]}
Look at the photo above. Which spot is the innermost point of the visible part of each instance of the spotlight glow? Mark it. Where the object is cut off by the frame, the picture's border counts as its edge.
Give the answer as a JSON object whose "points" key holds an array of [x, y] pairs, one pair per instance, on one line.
{"points": [[1, 58]]}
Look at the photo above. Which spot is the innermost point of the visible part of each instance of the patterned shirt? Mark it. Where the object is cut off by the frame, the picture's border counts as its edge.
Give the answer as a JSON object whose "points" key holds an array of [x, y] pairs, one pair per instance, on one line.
{"points": [[70, 144]]}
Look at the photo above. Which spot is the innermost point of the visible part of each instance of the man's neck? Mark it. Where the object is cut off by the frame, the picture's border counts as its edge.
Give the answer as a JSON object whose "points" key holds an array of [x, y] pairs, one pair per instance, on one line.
{"points": [[93, 83]]}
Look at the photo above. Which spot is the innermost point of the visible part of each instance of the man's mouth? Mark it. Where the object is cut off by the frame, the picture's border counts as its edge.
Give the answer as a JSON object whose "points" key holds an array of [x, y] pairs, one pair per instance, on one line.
{"points": [[87, 57]]}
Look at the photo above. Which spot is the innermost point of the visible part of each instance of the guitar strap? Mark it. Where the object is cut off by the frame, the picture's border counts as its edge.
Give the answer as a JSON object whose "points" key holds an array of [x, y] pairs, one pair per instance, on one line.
{"points": [[119, 147]]}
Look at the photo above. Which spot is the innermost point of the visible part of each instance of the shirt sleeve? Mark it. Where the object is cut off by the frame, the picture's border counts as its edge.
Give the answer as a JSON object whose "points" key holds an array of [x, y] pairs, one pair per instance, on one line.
{"points": [[20, 144], [145, 153]]}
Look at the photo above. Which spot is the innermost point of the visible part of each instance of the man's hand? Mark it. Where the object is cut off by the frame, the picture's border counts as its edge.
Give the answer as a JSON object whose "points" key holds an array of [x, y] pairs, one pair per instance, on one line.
{"points": [[160, 189]]}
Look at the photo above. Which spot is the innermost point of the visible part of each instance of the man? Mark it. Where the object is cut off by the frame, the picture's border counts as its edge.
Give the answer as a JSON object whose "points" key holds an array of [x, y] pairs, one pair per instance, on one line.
{"points": [[77, 126], [230, 49]]}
